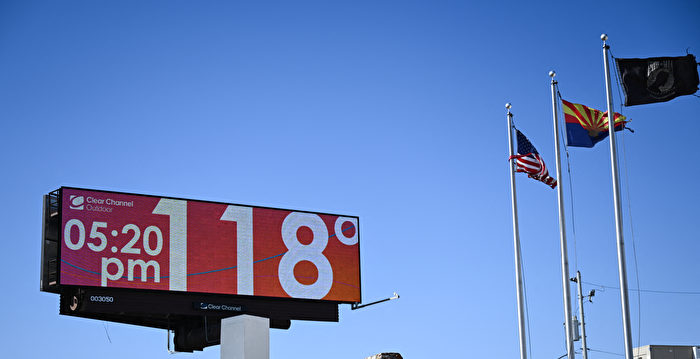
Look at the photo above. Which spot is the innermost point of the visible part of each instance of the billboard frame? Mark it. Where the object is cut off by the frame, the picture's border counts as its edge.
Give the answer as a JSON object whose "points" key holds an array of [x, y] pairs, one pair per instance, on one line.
{"points": [[359, 260], [145, 307]]}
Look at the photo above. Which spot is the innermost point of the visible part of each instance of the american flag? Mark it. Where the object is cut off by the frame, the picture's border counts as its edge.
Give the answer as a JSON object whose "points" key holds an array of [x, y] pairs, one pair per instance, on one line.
{"points": [[529, 161]]}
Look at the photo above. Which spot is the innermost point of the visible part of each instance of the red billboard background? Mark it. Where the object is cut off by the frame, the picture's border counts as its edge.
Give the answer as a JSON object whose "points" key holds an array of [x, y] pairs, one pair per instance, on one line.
{"points": [[135, 241]]}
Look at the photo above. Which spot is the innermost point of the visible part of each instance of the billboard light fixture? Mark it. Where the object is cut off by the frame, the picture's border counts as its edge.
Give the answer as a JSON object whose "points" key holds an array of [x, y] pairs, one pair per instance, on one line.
{"points": [[358, 305]]}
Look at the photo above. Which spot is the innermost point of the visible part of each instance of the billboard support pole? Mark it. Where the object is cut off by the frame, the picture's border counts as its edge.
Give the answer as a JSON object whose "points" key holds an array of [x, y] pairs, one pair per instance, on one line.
{"points": [[245, 337]]}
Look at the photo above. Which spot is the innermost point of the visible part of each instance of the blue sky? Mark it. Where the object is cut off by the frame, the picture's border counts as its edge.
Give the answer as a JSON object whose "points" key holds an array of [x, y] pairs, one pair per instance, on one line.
{"points": [[392, 111]]}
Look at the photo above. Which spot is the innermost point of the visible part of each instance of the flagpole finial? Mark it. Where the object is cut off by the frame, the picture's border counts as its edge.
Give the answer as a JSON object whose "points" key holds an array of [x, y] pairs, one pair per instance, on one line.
{"points": [[604, 37], [508, 105], [552, 74]]}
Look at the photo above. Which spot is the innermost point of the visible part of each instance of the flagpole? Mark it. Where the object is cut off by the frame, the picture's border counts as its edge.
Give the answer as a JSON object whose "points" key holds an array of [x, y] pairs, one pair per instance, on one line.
{"points": [[562, 231], [516, 240], [621, 263]]}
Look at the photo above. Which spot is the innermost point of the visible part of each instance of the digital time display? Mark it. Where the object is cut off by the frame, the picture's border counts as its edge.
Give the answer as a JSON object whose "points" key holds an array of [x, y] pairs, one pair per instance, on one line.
{"points": [[124, 240]]}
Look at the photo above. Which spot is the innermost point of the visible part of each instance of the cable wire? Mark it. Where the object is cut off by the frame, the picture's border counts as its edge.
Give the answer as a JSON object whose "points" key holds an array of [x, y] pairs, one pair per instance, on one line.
{"points": [[634, 241], [603, 351], [679, 292], [571, 185], [107, 332], [571, 188], [618, 78]]}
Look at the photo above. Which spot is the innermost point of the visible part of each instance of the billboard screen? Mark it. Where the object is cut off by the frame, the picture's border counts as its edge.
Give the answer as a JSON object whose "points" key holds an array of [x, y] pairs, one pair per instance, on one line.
{"points": [[119, 240]]}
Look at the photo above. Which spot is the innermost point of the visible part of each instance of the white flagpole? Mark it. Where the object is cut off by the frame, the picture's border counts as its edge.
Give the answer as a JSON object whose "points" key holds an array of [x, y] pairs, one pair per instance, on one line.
{"points": [[568, 325], [516, 240], [621, 262]]}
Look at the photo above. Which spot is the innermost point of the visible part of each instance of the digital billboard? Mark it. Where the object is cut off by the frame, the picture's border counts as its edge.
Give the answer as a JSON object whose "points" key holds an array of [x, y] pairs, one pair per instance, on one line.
{"points": [[121, 240]]}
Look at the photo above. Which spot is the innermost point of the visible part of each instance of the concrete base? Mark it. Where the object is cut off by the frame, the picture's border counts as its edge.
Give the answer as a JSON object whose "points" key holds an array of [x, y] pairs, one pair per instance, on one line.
{"points": [[245, 337]]}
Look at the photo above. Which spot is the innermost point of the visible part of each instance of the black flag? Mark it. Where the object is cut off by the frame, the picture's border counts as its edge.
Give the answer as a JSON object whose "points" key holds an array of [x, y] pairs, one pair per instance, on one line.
{"points": [[657, 79]]}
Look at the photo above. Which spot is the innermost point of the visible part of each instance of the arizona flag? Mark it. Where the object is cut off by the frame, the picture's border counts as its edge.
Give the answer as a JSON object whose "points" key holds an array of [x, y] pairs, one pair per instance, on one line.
{"points": [[587, 126]]}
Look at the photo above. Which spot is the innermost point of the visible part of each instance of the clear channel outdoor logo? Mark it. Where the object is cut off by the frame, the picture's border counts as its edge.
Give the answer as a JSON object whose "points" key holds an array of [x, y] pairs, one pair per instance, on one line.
{"points": [[77, 202], [96, 204]]}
